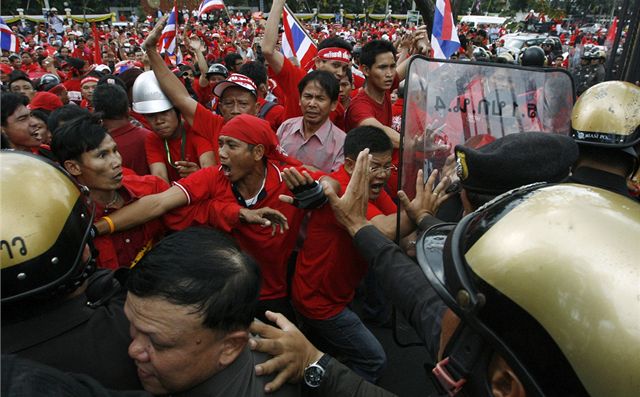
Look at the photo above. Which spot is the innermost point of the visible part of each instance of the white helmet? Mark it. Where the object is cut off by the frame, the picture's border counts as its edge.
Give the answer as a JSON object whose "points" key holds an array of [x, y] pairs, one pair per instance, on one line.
{"points": [[147, 96]]}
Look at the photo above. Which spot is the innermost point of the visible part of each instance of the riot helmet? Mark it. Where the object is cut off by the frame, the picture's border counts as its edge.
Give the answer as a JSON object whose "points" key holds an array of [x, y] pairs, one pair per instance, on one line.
{"points": [[48, 81], [147, 96], [218, 68], [533, 287], [607, 115], [46, 224], [532, 56]]}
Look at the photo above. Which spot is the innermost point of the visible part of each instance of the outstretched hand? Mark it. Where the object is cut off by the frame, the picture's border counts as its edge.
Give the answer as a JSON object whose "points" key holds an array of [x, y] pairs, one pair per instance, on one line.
{"points": [[428, 199], [291, 350], [151, 42], [351, 209], [265, 217]]}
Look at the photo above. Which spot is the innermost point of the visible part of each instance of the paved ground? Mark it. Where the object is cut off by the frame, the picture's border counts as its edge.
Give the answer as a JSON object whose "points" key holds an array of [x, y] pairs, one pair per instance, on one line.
{"points": [[405, 374]]}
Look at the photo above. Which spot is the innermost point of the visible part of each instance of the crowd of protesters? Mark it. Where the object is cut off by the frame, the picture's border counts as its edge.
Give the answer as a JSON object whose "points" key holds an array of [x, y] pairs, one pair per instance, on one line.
{"points": [[217, 134]]}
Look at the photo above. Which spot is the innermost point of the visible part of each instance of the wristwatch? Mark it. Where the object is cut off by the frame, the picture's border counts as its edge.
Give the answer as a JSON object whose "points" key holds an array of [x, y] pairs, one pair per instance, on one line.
{"points": [[314, 373]]}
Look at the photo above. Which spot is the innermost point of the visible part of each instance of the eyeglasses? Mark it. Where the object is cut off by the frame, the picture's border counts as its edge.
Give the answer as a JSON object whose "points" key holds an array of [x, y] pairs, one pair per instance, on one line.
{"points": [[378, 169]]}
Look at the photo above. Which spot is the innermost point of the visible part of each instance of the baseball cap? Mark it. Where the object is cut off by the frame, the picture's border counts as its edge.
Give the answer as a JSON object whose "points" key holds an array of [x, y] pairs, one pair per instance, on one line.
{"points": [[236, 80], [46, 101]]}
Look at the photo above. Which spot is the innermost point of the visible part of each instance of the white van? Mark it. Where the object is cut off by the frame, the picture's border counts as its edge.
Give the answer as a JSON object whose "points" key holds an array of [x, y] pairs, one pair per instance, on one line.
{"points": [[475, 20]]}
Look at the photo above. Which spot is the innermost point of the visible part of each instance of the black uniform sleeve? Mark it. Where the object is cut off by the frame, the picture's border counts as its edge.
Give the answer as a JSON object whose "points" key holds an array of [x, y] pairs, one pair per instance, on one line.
{"points": [[340, 381], [404, 283]]}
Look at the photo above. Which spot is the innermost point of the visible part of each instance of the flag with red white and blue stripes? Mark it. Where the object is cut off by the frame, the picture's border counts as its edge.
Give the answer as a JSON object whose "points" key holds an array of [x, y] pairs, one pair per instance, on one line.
{"points": [[8, 40], [209, 5], [444, 38], [295, 40], [169, 38]]}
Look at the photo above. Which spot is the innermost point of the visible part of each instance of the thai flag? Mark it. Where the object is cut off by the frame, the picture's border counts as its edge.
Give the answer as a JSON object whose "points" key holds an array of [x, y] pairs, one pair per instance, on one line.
{"points": [[295, 40], [168, 39], [444, 39], [8, 40], [209, 5]]}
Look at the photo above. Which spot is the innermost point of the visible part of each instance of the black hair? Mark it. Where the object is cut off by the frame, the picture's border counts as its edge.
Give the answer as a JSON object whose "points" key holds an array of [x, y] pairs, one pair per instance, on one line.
{"points": [[63, 114], [335, 41], [374, 48], [111, 100], [230, 60], [10, 102], [76, 137], [364, 137], [350, 75], [202, 268], [19, 75], [41, 114], [255, 71], [326, 80]]}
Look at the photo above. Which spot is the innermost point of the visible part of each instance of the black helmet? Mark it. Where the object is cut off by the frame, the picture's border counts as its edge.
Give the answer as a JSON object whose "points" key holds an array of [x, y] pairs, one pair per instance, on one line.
{"points": [[46, 224], [48, 81], [532, 56], [534, 278], [548, 41], [218, 68]]}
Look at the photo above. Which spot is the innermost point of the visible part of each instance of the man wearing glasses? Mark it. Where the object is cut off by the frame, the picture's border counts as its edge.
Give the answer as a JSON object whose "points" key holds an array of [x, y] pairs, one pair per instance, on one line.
{"points": [[328, 267]]}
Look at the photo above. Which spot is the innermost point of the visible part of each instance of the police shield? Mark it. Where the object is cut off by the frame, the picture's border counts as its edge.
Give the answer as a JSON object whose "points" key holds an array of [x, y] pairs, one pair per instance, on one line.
{"points": [[449, 103]]}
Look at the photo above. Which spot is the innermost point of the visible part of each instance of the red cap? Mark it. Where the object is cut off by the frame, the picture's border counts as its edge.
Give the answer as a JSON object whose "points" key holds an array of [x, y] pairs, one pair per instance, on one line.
{"points": [[6, 69], [46, 101]]}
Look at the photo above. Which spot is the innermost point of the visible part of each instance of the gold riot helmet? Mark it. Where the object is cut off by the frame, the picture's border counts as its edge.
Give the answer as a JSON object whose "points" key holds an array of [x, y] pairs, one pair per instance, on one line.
{"points": [[607, 114], [546, 276], [46, 223]]}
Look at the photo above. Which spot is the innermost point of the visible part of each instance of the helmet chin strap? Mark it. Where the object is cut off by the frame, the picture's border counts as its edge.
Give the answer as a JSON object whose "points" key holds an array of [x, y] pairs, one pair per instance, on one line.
{"points": [[463, 370]]}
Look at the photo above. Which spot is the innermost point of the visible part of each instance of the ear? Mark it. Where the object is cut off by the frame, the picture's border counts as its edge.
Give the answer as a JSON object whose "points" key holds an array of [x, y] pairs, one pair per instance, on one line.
{"points": [[318, 62], [73, 167], [334, 105], [263, 89], [258, 152], [466, 204], [349, 165], [232, 346], [365, 70], [504, 382]]}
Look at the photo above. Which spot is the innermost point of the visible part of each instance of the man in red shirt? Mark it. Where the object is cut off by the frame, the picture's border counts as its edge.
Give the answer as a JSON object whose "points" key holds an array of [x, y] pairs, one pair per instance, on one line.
{"points": [[334, 56], [241, 197], [88, 152], [111, 101], [174, 150], [328, 268]]}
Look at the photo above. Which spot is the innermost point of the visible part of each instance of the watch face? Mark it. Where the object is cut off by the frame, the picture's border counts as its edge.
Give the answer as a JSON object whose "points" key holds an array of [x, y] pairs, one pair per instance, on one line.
{"points": [[313, 375]]}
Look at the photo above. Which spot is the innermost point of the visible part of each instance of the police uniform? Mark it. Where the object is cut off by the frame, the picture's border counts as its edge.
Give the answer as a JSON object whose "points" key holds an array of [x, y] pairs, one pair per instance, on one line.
{"points": [[86, 334]]}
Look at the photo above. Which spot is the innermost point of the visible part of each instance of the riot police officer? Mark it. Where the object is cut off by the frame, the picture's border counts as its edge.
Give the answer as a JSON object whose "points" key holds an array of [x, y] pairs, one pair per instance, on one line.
{"points": [[56, 309], [605, 121]]}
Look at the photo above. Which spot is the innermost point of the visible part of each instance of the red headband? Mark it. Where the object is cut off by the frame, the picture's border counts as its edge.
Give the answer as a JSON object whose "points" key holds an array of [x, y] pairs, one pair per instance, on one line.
{"points": [[88, 79], [335, 54], [255, 131]]}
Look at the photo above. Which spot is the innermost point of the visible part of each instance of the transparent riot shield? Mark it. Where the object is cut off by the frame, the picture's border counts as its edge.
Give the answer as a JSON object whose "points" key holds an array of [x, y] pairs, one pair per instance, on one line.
{"points": [[449, 103]]}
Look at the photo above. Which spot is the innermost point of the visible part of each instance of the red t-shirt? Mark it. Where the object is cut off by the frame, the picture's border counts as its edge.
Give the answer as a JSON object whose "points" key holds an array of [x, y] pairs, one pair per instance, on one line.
{"points": [[212, 200], [288, 79], [131, 145], [208, 125], [194, 147], [329, 268], [120, 249], [275, 115], [205, 94], [364, 107]]}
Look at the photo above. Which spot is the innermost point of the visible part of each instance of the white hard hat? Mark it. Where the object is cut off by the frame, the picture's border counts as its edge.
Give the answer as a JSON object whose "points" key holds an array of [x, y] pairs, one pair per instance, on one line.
{"points": [[147, 97]]}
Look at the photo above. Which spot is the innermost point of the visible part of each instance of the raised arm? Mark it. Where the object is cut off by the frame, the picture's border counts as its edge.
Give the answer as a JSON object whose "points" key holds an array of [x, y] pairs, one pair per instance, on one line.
{"points": [[170, 84], [270, 38], [198, 48]]}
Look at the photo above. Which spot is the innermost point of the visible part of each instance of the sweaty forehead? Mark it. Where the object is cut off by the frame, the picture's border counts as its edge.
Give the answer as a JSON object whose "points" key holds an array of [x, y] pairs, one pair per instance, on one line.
{"points": [[381, 157]]}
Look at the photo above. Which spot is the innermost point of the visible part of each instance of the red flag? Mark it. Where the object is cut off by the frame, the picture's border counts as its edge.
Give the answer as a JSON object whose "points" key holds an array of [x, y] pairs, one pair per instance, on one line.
{"points": [[611, 33], [97, 53]]}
